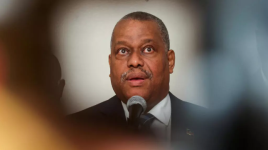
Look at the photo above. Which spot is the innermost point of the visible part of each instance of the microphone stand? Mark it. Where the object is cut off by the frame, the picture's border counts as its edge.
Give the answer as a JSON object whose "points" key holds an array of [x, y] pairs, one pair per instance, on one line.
{"points": [[135, 112]]}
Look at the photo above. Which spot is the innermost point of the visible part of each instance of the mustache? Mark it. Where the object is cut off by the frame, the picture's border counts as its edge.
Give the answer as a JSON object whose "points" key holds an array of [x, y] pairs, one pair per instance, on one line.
{"points": [[147, 73]]}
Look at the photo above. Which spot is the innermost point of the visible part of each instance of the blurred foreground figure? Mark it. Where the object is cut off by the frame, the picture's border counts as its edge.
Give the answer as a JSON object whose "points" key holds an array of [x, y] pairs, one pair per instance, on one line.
{"points": [[25, 121], [24, 128], [141, 62], [3, 66]]}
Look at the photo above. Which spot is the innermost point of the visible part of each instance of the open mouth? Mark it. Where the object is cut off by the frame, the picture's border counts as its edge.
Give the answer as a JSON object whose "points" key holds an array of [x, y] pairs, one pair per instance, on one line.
{"points": [[136, 76], [136, 79]]}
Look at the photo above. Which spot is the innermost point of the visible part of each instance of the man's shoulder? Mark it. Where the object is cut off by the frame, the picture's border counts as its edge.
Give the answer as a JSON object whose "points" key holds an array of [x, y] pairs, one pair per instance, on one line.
{"points": [[176, 101], [193, 108], [186, 109], [188, 118], [94, 111]]}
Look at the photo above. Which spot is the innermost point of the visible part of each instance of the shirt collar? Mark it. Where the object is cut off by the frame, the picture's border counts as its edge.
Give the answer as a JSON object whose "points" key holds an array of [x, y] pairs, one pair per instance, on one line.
{"points": [[161, 111]]}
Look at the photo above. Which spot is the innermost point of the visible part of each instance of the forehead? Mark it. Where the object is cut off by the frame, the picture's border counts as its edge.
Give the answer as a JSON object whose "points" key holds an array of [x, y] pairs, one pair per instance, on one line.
{"points": [[133, 30]]}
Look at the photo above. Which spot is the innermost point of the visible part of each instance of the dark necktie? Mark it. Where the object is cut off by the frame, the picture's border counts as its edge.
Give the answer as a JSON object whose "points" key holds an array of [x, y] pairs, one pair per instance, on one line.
{"points": [[145, 128], [145, 123]]}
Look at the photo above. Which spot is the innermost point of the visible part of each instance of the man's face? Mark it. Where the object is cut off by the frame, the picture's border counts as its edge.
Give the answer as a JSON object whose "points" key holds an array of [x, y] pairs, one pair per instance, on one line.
{"points": [[139, 63]]}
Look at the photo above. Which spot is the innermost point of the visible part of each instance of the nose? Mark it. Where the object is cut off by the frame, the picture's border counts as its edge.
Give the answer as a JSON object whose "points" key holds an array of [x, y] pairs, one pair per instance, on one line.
{"points": [[135, 60]]}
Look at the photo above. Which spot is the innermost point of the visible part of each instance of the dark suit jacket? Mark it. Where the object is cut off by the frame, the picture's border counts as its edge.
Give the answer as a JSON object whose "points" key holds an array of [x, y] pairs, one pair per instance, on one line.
{"points": [[187, 120]]}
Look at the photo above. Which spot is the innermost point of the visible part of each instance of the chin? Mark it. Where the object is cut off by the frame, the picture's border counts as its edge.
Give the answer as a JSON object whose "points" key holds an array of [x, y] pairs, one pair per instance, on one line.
{"points": [[140, 92]]}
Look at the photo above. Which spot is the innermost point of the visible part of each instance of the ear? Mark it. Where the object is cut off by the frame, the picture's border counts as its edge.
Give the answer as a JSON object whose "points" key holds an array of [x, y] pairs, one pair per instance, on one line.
{"points": [[110, 59], [171, 60], [61, 87], [110, 63]]}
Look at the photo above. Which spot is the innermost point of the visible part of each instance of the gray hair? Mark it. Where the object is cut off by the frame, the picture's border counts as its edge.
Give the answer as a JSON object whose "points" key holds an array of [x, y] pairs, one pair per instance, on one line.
{"points": [[143, 16]]}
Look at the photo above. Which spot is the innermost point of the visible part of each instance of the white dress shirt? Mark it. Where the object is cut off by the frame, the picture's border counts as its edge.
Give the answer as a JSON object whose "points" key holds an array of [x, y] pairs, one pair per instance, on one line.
{"points": [[161, 126]]}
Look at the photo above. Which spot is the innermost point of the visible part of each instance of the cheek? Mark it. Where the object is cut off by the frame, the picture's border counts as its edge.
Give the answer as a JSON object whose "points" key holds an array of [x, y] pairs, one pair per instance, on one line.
{"points": [[117, 69], [158, 68]]}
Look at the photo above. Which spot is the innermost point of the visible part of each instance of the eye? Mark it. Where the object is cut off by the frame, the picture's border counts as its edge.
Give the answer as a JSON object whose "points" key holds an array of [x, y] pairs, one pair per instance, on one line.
{"points": [[148, 50], [122, 51]]}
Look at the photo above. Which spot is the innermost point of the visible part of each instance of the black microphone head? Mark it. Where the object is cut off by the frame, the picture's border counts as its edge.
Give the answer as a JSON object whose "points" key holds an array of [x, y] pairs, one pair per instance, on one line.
{"points": [[137, 100]]}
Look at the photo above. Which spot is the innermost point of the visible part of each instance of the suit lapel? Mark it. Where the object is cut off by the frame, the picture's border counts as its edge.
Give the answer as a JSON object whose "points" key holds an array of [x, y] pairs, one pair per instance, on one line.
{"points": [[181, 129], [114, 112]]}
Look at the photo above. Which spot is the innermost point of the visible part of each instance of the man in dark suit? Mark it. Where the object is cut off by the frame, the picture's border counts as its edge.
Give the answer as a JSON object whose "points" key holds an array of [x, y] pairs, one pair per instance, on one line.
{"points": [[140, 64]]}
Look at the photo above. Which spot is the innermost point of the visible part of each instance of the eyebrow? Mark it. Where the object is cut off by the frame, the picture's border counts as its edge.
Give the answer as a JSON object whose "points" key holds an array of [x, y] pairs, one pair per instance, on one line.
{"points": [[121, 42], [125, 43], [147, 40]]}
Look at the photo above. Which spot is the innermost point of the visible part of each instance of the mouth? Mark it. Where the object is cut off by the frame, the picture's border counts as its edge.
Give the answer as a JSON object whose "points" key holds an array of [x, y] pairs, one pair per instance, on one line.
{"points": [[136, 79]]}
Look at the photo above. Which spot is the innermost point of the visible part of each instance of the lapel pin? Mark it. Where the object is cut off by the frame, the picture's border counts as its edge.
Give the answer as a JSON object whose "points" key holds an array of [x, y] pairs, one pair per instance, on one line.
{"points": [[189, 132]]}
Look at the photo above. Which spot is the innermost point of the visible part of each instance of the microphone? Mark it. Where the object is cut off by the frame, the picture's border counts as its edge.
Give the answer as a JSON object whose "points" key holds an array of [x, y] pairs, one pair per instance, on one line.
{"points": [[136, 106]]}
